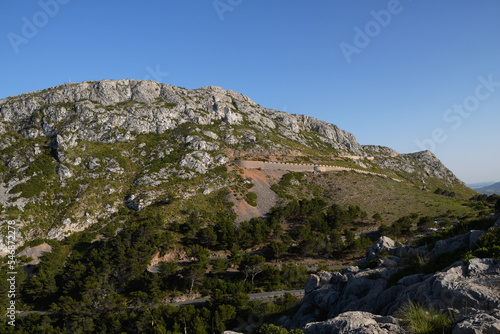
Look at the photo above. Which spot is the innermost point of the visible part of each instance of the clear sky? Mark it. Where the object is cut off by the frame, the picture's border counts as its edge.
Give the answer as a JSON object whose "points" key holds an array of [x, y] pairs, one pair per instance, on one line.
{"points": [[404, 74]]}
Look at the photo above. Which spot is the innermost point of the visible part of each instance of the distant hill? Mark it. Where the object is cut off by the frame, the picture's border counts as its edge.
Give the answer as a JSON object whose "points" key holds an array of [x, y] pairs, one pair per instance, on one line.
{"points": [[480, 184], [489, 190]]}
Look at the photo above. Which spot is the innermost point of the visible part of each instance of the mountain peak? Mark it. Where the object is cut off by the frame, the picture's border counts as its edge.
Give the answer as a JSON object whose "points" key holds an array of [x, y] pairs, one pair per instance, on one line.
{"points": [[137, 106], [110, 111], [139, 142]]}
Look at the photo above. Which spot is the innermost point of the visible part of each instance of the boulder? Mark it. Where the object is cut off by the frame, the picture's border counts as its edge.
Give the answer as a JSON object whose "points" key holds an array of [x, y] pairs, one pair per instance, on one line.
{"points": [[316, 281], [478, 323], [93, 164], [114, 167], [63, 172], [451, 245], [382, 244], [355, 322], [137, 202], [198, 161]]}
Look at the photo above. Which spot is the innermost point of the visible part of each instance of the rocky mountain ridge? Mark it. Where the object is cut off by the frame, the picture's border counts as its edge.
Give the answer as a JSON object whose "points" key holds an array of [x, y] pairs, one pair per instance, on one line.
{"points": [[111, 111], [80, 153]]}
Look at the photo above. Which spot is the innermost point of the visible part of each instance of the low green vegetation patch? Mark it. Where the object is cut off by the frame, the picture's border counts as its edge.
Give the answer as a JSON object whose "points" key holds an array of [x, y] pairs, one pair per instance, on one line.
{"points": [[487, 246], [273, 329], [390, 199], [418, 319], [251, 198], [42, 172]]}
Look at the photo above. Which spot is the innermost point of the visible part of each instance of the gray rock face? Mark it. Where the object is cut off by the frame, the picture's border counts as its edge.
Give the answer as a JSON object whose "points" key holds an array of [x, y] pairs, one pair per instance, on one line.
{"points": [[344, 298], [317, 281], [113, 167], [147, 181], [16, 162], [137, 203], [199, 161], [110, 110], [467, 240], [355, 322], [383, 244], [478, 323], [423, 164], [383, 150], [197, 143], [337, 293], [63, 172], [93, 164]]}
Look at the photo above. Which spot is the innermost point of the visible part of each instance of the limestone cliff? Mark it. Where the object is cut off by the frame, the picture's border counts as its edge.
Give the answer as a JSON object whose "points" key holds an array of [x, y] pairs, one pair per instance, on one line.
{"points": [[111, 111], [77, 154]]}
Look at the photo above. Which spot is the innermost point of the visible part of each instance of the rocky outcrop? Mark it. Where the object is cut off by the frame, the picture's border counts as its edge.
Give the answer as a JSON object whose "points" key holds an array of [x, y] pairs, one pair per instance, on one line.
{"points": [[63, 172], [382, 244], [355, 322], [198, 161], [35, 252], [112, 110], [137, 137], [478, 323], [363, 301], [379, 150], [421, 165]]}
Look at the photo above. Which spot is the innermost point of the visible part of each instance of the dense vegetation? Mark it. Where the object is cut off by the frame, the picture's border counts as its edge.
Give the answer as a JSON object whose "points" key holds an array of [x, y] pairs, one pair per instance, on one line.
{"points": [[104, 280], [101, 285], [97, 281]]}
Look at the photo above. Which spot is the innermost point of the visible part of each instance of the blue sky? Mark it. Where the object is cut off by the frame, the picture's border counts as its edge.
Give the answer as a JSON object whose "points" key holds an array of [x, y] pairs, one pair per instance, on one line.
{"points": [[391, 72]]}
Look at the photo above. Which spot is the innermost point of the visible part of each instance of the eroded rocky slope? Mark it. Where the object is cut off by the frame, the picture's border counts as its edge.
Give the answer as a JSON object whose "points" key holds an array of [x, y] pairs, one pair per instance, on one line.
{"points": [[110, 111], [81, 154]]}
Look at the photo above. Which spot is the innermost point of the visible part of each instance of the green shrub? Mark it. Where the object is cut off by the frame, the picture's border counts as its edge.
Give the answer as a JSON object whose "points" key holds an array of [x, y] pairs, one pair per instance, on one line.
{"points": [[249, 185], [487, 246], [221, 171], [44, 169], [419, 320], [272, 329], [377, 217], [251, 198], [169, 105]]}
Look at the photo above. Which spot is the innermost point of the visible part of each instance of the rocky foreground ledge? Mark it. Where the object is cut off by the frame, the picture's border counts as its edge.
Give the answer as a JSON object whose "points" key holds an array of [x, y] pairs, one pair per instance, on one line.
{"points": [[361, 301], [367, 301]]}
